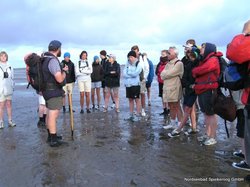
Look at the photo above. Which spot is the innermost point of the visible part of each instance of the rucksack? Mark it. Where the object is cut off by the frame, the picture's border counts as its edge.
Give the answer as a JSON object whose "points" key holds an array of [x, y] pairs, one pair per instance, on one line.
{"points": [[236, 76], [34, 72], [223, 66]]}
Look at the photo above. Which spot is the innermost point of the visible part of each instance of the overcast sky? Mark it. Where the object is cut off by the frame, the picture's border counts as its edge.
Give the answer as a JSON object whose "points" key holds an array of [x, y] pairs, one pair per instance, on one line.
{"points": [[116, 25]]}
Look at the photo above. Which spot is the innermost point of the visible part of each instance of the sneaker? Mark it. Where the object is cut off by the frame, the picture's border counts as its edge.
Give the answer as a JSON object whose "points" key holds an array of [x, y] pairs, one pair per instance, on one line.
{"points": [[81, 111], [143, 113], [149, 103], [105, 110], [117, 110], [174, 133], [170, 126], [97, 107], [241, 165], [11, 124], [113, 105], [191, 132], [1, 125], [88, 111], [202, 138], [64, 109], [210, 141], [239, 154]]}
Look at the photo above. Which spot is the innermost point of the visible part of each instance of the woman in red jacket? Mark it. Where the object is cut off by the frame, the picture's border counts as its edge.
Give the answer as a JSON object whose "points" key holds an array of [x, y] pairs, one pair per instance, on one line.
{"points": [[206, 81]]}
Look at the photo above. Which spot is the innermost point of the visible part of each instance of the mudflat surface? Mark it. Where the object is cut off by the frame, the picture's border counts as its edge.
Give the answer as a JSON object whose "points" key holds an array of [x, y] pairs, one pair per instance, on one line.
{"points": [[107, 150]]}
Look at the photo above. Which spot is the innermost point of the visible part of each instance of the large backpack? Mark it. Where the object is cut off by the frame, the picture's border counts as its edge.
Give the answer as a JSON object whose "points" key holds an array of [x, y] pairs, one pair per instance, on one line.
{"points": [[236, 76], [223, 66], [34, 71]]}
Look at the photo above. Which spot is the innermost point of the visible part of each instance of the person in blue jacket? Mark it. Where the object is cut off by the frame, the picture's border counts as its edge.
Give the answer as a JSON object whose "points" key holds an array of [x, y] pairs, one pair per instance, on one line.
{"points": [[149, 79]]}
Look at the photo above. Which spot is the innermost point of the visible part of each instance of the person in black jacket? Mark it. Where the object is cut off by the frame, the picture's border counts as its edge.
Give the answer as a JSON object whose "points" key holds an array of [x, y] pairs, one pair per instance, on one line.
{"points": [[70, 78], [104, 62], [112, 82], [96, 82]]}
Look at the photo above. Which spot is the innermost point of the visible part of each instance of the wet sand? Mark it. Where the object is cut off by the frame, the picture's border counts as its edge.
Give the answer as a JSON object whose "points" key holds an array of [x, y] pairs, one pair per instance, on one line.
{"points": [[108, 151]]}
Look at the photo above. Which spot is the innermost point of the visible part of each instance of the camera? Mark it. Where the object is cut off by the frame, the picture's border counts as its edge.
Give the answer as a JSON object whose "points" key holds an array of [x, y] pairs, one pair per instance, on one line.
{"points": [[5, 75]]}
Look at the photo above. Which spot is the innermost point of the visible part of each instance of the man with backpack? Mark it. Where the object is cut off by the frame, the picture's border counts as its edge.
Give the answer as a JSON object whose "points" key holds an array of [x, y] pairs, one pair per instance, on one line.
{"points": [[54, 77], [239, 52]]}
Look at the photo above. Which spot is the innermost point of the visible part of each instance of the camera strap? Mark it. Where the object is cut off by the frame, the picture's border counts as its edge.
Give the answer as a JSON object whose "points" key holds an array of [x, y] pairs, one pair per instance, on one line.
{"points": [[6, 69]]}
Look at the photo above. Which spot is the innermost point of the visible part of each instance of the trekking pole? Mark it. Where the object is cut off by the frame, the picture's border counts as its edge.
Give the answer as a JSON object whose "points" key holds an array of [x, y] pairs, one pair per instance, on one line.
{"points": [[71, 115]]}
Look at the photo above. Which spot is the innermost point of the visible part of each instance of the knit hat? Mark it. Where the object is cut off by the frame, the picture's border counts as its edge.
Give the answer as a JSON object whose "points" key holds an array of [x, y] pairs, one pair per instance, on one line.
{"points": [[54, 45], [103, 52], [131, 53], [95, 58], [67, 54]]}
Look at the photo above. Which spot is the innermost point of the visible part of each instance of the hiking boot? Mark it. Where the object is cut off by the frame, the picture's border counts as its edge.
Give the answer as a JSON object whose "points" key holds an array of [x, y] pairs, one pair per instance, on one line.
{"points": [[163, 113], [241, 165], [88, 111], [72, 110], [57, 136], [191, 132], [239, 154], [1, 125], [170, 126], [202, 138], [81, 112], [210, 141], [41, 124], [11, 124], [174, 133], [55, 143]]}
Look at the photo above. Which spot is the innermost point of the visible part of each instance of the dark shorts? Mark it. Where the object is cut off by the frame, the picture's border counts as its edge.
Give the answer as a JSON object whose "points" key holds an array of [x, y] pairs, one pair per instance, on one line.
{"points": [[133, 92], [160, 85], [205, 101], [148, 84], [54, 103], [189, 100]]}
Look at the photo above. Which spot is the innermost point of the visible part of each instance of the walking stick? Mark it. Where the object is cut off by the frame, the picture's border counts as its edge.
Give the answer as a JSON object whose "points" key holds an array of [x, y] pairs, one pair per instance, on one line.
{"points": [[71, 115]]}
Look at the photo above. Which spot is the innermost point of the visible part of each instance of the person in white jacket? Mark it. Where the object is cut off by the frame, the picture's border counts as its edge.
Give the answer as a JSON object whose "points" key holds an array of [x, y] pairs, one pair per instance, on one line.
{"points": [[6, 89], [83, 72], [143, 76]]}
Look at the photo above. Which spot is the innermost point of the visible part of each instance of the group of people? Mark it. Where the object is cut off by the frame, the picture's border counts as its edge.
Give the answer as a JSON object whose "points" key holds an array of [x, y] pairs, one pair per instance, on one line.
{"points": [[194, 76]]}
